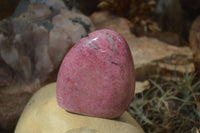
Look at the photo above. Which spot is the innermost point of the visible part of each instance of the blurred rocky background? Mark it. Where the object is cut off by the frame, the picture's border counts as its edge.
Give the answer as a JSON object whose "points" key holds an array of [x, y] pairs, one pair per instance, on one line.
{"points": [[33, 41], [35, 35]]}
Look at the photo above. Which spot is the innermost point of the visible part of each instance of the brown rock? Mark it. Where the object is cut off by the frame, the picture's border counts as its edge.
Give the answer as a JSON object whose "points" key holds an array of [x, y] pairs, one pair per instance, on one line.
{"points": [[168, 37], [141, 86], [107, 20], [151, 56], [194, 39], [12, 101]]}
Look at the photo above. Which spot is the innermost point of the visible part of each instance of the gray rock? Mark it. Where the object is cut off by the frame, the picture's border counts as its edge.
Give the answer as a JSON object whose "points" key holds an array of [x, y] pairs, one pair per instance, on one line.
{"points": [[75, 24], [58, 34], [54, 4]]}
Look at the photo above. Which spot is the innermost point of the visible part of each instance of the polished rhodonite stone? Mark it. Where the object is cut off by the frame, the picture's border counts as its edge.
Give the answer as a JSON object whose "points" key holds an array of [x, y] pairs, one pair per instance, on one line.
{"points": [[96, 77]]}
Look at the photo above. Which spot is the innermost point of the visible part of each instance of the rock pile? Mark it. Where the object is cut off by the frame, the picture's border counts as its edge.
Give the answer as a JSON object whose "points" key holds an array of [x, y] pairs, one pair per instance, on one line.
{"points": [[32, 47]]}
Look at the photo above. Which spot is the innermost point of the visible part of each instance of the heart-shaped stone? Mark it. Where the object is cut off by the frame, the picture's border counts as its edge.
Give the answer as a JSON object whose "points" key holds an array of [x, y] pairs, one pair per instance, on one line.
{"points": [[96, 77]]}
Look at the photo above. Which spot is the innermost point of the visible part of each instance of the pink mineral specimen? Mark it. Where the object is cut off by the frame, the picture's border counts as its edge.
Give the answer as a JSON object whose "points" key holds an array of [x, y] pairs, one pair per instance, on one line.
{"points": [[96, 77]]}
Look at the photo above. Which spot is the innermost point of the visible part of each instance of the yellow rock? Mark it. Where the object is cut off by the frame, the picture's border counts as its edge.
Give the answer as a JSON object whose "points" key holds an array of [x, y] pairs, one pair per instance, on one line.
{"points": [[43, 115]]}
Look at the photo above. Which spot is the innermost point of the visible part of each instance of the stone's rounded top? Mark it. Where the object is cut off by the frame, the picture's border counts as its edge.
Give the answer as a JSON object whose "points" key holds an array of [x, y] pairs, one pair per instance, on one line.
{"points": [[42, 114], [96, 77]]}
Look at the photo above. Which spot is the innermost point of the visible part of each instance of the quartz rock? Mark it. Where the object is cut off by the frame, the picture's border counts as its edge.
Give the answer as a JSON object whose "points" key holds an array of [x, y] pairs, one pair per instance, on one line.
{"points": [[31, 50], [39, 10], [58, 34], [75, 24], [42, 114], [27, 52]]}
